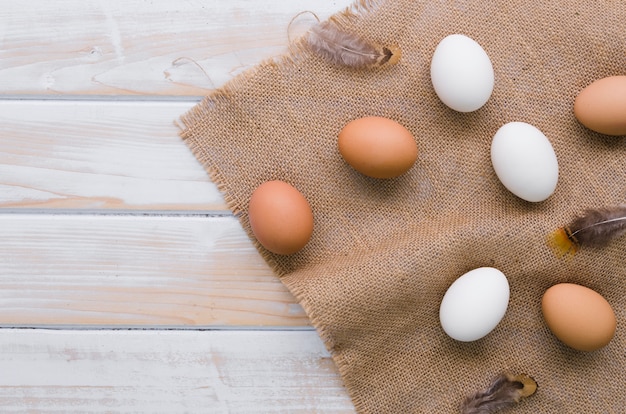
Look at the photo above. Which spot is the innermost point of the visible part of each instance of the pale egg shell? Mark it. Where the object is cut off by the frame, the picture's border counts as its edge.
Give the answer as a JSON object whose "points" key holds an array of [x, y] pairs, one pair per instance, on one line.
{"points": [[474, 304], [601, 106], [578, 316], [377, 147], [525, 161], [281, 217], [461, 73]]}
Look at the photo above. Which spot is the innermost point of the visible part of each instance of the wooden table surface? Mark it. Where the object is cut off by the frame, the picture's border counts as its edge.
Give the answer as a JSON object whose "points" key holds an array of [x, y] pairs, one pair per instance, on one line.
{"points": [[125, 283]]}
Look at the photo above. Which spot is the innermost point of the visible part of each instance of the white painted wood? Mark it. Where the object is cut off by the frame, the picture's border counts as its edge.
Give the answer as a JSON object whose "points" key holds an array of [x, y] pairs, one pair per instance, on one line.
{"points": [[99, 155], [134, 47], [168, 372], [137, 271]]}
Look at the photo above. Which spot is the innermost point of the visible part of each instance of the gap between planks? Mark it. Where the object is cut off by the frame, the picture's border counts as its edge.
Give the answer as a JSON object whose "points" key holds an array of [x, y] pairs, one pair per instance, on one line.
{"points": [[185, 99], [172, 328], [118, 213]]}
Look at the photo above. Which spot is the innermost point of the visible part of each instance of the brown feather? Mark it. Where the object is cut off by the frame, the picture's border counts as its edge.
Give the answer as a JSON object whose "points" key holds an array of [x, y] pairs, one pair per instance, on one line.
{"points": [[504, 391], [346, 49], [593, 228]]}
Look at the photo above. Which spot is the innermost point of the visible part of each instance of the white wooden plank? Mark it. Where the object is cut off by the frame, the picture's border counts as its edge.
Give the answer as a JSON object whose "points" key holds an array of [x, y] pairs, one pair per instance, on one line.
{"points": [[99, 155], [168, 372], [130, 47], [137, 271]]}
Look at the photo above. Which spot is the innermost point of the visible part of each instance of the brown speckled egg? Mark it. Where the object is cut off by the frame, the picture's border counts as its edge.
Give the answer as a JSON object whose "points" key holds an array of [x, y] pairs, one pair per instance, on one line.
{"points": [[601, 106], [280, 217], [377, 147], [580, 317]]}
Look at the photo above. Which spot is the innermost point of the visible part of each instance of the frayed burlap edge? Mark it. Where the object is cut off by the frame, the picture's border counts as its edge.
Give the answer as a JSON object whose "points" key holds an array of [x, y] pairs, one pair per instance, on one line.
{"points": [[296, 51]]}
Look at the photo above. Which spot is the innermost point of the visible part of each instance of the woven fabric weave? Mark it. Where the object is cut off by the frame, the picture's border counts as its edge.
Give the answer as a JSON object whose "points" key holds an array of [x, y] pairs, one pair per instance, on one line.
{"points": [[384, 252]]}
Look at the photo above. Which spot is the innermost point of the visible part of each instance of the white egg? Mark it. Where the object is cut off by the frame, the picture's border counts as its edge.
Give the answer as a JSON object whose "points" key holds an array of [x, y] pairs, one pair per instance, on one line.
{"points": [[474, 304], [461, 73], [524, 161]]}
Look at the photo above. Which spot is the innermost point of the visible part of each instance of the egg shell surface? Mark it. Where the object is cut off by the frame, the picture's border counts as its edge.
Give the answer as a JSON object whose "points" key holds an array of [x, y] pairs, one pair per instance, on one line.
{"points": [[474, 304], [578, 316], [377, 147], [601, 106], [461, 73], [280, 217], [524, 161]]}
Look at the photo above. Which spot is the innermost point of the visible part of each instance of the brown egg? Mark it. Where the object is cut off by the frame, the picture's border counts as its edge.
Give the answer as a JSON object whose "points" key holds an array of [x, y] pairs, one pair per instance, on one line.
{"points": [[377, 147], [580, 317], [601, 106], [280, 217]]}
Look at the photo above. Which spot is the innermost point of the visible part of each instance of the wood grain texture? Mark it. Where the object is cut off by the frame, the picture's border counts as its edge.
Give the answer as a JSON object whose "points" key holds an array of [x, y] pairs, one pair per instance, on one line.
{"points": [[167, 372], [109, 222], [85, 270], [99, 155], [130, 47]]}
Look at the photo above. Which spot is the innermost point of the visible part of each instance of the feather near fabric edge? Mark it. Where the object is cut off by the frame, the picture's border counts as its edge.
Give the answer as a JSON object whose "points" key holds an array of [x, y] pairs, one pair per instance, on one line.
{"points": [[342, 48], [504, 391]]}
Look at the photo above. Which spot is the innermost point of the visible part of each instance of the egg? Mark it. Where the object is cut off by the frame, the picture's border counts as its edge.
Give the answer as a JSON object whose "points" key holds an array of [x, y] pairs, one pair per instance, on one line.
{"points": [[461, 73], [525, 161], [601, 106], [474, 304], [280, 217], [578, 316], [377, 147]]}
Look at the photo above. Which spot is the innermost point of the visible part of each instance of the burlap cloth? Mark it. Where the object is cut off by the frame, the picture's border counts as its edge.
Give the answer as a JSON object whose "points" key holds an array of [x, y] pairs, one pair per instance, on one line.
{"points": [[384, 252]]}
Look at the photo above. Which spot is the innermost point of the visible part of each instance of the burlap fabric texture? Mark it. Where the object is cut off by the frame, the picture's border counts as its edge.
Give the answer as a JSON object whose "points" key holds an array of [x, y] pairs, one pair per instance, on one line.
{"points": [[384, 252]]}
